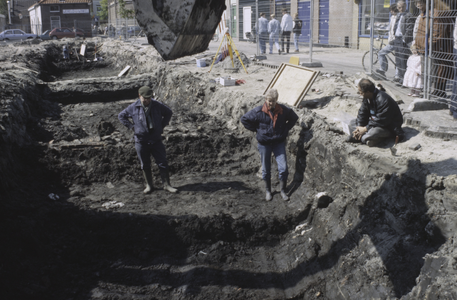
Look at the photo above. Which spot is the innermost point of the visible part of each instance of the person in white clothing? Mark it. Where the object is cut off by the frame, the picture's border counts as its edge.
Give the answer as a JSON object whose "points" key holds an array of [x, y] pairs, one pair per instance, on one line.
{"points": [[412, 77], [383, 63], [273, 31], [287, 24]]}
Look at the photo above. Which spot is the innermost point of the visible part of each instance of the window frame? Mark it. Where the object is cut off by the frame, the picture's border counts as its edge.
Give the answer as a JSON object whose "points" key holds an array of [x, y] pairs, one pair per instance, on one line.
{"points": [[51, 6]]}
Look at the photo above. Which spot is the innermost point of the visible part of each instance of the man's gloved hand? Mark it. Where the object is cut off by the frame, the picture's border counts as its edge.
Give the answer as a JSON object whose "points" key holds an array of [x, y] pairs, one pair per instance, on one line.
{"points": [[359, 132]]}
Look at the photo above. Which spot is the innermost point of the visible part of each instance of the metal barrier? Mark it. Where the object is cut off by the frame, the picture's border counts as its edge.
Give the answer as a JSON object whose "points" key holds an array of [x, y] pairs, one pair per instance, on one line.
{"points": [[368, 25], [422, 36]]}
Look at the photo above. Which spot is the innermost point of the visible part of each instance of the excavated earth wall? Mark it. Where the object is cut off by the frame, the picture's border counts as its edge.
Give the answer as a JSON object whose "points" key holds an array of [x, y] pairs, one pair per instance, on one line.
{"points": [[384, 229]]}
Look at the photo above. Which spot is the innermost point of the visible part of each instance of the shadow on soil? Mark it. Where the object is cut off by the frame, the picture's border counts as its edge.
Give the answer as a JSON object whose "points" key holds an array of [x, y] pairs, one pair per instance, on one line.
{"points": [[56, 250]]}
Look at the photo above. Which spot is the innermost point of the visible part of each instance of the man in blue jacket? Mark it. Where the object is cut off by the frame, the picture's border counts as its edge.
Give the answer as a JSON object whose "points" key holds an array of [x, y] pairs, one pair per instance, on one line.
{"points": [[379, 117], [272, 122], [149, 119]]}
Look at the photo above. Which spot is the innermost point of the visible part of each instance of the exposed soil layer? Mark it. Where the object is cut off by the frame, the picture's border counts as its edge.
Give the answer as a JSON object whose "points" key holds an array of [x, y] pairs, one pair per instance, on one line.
{"points": [[76, 225]]}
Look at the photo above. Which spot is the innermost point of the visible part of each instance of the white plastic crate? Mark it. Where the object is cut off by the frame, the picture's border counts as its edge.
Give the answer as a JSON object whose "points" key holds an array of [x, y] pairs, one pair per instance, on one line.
{"points": [[227, 81], [201, 63]]}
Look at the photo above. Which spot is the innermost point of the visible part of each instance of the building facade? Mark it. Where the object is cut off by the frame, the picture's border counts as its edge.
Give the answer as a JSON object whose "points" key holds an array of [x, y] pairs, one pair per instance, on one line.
{"points": [[343, 23], [50, 14], [114, 17]]}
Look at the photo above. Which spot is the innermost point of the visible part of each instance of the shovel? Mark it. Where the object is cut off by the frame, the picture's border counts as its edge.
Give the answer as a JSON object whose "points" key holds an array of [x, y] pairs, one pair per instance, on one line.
{"points": [[393, 150]]}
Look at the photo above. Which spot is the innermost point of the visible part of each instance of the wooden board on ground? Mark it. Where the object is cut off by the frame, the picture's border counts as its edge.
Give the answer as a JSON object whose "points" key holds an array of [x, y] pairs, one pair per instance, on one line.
{"points": [[83, 50], [123, 71], [292, 83]]}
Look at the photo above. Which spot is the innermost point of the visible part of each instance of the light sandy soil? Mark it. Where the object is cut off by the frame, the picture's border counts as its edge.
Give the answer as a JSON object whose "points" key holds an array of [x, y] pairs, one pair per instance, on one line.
{"points": [[335, 98]]}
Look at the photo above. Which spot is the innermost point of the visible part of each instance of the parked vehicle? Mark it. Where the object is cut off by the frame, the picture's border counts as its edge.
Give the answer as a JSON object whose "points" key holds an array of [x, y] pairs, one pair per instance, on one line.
{"points": [[16, 34], [59, 33], [45, 35]]}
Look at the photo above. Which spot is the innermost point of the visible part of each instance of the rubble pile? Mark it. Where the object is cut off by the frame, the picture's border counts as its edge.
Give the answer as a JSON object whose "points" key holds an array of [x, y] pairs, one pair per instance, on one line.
{"points": [[75, 223]]}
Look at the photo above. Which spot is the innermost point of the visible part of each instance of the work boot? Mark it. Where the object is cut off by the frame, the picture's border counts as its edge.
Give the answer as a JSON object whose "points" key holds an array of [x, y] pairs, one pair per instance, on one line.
{"points": [[283, 185], [166, 181], [268, 196], [351, 139], [372, 143], [148, 178]]}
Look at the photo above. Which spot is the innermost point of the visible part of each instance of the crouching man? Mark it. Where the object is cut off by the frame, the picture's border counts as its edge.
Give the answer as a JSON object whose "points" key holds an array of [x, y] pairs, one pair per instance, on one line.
{"points": [[149, 119], [379, 117], [272, 122]]}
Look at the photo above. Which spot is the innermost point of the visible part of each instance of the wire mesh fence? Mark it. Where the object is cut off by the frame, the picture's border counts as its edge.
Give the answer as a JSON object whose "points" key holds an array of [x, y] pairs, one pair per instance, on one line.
{"points": [[320, 22], [118, 29], [419, 43], [411, 42]]}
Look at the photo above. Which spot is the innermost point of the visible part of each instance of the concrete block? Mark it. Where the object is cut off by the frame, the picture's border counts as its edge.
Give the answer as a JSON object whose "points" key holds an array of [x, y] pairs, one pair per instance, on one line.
{"points": [[421, 105], [314, 64], [414, 146], [261, 57], [415, 122]]}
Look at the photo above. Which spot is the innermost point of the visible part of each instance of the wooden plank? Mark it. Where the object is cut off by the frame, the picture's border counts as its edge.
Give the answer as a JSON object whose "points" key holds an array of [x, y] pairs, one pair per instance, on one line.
{"points": [[123, 71], [82, 50], [292, 83], [76, 52]]}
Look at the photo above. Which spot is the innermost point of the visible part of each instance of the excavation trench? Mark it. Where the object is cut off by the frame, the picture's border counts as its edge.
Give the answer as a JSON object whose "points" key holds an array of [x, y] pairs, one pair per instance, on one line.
{"points": [[103, 239]]}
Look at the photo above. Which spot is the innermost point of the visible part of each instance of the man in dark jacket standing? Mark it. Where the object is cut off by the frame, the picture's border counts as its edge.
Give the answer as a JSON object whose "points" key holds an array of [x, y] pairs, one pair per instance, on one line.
{"points": [[149, 119], [297, 31], [272, 122], [379, 117]]}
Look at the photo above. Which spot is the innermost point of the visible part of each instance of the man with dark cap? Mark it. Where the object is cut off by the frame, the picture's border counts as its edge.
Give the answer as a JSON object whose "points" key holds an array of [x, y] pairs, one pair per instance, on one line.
{"points": [[149, 119]]}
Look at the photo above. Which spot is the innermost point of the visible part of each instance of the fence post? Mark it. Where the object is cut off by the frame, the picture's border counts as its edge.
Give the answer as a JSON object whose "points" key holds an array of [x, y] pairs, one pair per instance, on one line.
{"points": [[428, 49], [371, 35], [311, 18], [258, 25]]}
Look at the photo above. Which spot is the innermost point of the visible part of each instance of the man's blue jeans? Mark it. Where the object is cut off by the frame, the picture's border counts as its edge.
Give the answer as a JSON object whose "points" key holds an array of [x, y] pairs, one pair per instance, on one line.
{"points": [[279, 150], [263, 38], [273, 40], [296, 37], [383, 63]]}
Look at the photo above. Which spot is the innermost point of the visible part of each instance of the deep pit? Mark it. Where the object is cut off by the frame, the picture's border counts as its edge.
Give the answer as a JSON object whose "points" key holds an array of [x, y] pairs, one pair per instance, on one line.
{"points": [[385, 230]]}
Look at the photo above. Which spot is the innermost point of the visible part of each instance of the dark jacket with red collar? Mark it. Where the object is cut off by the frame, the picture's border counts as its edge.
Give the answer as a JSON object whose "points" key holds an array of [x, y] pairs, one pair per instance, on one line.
{"points": [[161, 115], [382, 112], [258, 121]]}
